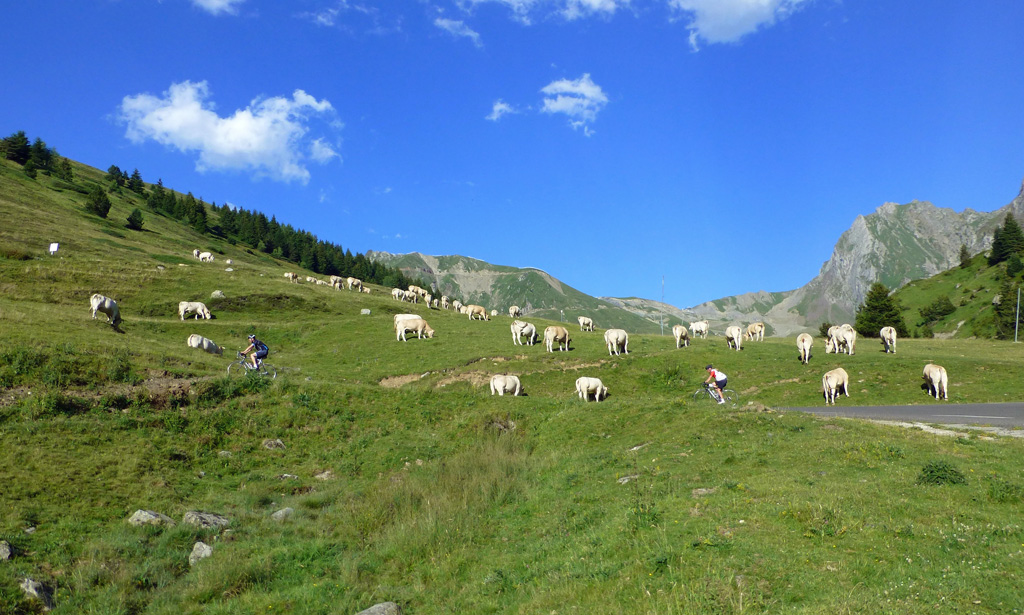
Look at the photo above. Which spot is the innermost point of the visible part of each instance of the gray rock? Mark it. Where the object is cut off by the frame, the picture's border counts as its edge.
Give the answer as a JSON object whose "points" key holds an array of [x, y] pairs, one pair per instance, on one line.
{"points": [[5, 550], [282, 514], [200, 550], [364, 312], [325, 475], [217, 294], [384, 608], [273, 444], [205, 519], [149, 517], [224, 454], [35, 589]]}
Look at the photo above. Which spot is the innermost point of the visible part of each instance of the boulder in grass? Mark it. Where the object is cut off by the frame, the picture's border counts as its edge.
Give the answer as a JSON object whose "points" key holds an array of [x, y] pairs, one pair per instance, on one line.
{"points": [[205, 519], [201, 550], [384, 608], [149, 517], [35, 589]]}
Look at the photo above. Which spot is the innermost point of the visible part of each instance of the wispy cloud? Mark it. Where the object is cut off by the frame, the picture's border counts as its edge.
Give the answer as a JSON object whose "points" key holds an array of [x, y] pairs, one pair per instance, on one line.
{"points": [[458, 29], [217, 7], [266, 138], [727, 21], [524, 11], [354, 17], [499, 109], [579, 99]]}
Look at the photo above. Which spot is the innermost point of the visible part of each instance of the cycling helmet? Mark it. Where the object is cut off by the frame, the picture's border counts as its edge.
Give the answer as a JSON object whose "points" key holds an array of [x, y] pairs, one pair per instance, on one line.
{"points": [[252, 336], [708, 367]]}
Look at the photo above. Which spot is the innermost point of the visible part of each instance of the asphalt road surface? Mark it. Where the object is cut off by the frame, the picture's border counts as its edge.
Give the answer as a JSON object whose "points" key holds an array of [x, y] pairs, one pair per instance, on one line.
{"points": [[1007, 415]]}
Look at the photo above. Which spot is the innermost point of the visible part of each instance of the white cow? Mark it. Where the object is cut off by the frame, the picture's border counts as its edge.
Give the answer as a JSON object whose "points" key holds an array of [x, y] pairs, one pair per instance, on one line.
{"points": [[699, 328], [522, 329], [397, 293], [427, 299], [193, 307], [476, 310], [682, 336], [847, 338], [446, 303], [888, 335], [755, 331], [198, 341], [803, 343], [502, 384], [616, 339], [937, 380], [457, 306], [832, 381], [585, 387], [494, 313], [311, 279], [336, 279], [107, 307], [417, 325], [586, 324], [366, 290], [556, 335], [206, 257], [292, 277], [354, 282], [196, 252], [514, 312], [734, 337]]}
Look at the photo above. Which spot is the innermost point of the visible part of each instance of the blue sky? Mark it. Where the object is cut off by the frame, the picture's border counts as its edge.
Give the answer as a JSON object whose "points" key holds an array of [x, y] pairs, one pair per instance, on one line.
{"points": [[722, 144]]}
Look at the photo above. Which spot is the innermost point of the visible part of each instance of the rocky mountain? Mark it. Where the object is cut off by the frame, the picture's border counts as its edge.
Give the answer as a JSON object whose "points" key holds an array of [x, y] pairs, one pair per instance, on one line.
{"points": [[893, 245]]}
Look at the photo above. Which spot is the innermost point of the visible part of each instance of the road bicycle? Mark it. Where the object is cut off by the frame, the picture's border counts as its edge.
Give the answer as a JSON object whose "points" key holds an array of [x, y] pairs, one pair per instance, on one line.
{"points": [[709, 391], [243, 366]]}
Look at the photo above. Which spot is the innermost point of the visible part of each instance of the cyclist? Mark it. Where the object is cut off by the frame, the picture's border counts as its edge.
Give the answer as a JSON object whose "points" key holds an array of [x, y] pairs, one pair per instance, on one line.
{"points": [[720, 380], [259, 350]]}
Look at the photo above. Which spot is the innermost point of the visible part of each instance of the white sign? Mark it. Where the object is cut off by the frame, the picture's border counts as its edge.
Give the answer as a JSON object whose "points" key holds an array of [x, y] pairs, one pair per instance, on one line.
{"points": [[53, 248]]}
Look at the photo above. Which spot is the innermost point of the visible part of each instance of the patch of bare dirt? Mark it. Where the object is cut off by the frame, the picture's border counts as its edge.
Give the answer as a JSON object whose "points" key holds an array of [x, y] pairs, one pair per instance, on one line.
{"points": [[394, 382], [477, 379]]}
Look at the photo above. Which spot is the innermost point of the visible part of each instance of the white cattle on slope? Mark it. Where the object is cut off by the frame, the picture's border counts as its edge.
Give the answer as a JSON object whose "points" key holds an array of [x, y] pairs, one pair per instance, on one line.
{"points": [[682, 336], [832, 381], [585, 387], [193, 307], [502, 384], [198, 341], [616, 339], [937, 380], [803, 343], [734, 337], [556, 335], [522, 330], [107, 307], [888, 335], [586, 324]]}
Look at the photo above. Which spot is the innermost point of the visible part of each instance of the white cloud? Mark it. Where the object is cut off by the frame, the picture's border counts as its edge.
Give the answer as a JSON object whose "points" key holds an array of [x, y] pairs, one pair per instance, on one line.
{"points": [[575, 9], [216, 7], [499, 109], [580, 100], [265, 138], [727, 21], [569, 9], [458, 29]]}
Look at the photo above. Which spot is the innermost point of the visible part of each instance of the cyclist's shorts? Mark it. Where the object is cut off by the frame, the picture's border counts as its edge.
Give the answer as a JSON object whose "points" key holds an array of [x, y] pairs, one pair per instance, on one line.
{"points": [[721, 383], [261, 354]]}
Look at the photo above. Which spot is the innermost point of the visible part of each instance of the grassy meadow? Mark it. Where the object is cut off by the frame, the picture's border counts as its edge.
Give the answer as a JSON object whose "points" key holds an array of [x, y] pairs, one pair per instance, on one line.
{"points": [[410, 483]]}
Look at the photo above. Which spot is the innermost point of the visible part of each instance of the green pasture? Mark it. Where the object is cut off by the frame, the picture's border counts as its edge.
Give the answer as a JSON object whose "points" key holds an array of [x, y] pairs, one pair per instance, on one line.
{"points": [[410, 483]]}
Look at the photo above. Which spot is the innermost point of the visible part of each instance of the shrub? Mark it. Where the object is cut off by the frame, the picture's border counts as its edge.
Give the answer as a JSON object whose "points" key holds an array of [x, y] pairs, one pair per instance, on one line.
{"points": [[940, 473], [98, 202]]}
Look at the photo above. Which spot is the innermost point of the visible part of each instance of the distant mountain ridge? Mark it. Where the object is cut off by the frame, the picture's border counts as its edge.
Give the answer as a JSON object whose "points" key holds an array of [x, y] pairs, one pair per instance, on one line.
{"points": [[894, 245]]}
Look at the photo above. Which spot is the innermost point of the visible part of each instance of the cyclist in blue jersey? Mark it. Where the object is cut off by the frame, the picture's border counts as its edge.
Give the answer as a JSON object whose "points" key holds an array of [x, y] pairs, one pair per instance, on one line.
{"points": [[259, 350]]}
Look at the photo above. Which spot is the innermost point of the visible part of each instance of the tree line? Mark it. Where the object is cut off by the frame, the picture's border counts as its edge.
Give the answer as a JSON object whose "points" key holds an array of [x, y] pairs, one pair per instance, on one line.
{"points": [[235, 225]]}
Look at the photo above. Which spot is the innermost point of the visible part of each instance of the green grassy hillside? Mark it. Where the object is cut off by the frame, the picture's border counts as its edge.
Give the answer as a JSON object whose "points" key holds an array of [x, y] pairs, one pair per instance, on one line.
{"points": [[409, 482]]}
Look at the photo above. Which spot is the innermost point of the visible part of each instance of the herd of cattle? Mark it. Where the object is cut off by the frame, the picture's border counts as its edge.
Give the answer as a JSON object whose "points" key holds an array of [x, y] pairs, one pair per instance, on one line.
{"points": [[839, 339]]}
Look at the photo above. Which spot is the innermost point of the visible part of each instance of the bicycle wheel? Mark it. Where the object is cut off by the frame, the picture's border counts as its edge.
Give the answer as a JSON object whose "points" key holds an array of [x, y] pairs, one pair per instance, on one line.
{"points": [[236, 368], [269, 371], [700, 393], [731, 396]]}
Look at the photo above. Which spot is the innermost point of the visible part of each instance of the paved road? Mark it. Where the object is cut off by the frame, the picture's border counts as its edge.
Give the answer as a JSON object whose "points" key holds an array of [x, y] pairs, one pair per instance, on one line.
{"points": [[1009, 415]]}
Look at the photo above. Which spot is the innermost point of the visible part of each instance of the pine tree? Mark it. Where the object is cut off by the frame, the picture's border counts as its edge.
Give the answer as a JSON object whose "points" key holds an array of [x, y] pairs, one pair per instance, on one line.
{"points": [[1006, 309], [116, 175], [135, 183], [18, 148], [135, 220], [64, 171], [30, 169], [1006, 241], [965, 256], [98, 202], [880, 309], [41, 155]]}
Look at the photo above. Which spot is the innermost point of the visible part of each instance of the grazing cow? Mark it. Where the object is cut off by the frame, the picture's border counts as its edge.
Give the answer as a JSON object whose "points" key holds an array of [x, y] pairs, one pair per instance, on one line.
{"points": [[937, 380], [322, 283], [734, 337], [556, 335], [193, 307], [415, 289], [198, 341], [427, 299], [398, 294], [354, 282], [195, 253], [522, 329], [446, 303], [476, 310], [586, 324], [888, 335], [755, 331], [457, 306], [514, 312], [107, 307], [616, 339], [311, 279], [847, 338], [417, 325], [832, 381], [366, 290], [699, 328], [206, 257], [433, 304], [585, 387], [494, 313], [336, 279], [502, 384], [803, 343], [682, 336], [293, 277]]}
